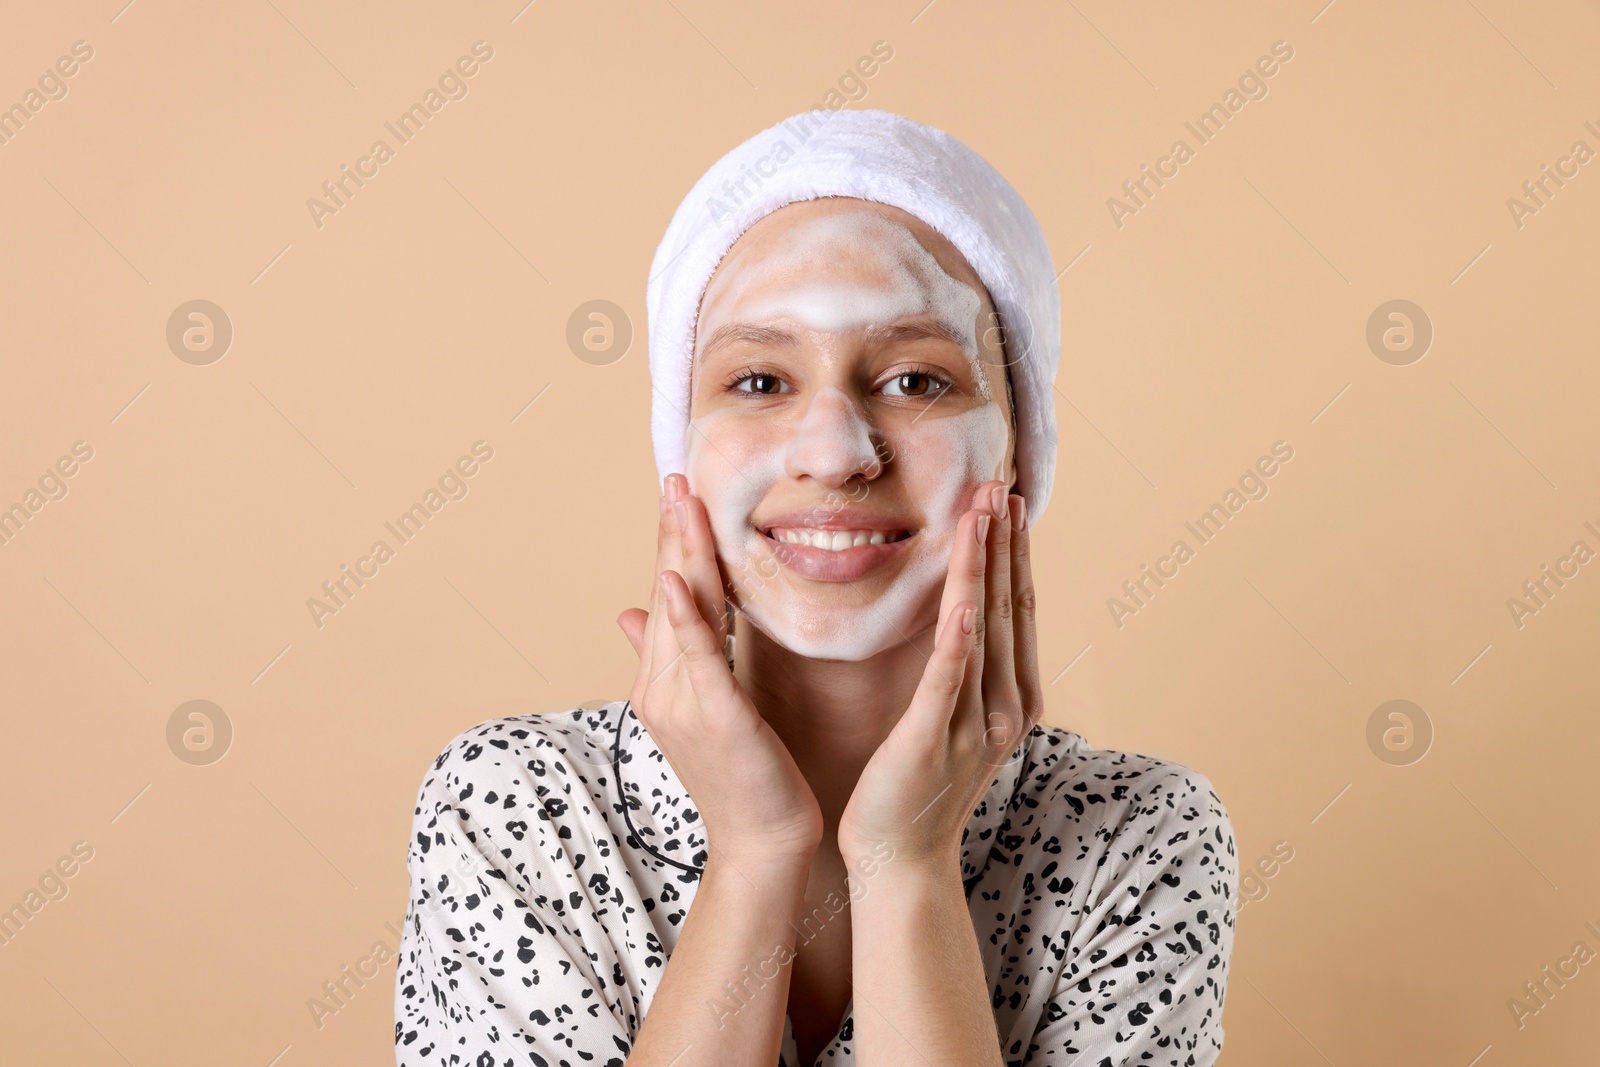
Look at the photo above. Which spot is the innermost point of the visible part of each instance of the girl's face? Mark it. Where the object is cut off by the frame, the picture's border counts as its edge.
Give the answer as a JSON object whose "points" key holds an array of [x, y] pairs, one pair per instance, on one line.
{"points": [[849, 397]]}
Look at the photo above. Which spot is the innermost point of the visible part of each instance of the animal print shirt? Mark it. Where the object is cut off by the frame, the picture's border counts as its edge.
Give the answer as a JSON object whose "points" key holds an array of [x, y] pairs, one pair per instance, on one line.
{"points": [[555, 857]]}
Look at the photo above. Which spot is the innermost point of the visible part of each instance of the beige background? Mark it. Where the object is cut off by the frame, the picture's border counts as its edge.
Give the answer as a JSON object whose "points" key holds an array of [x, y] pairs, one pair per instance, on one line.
{"points": [[368, 354]]}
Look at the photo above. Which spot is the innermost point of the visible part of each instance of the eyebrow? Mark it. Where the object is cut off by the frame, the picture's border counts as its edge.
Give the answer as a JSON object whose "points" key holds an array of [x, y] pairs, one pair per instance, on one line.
{"points": [[773, 336], [727, 334], [917, 331]]}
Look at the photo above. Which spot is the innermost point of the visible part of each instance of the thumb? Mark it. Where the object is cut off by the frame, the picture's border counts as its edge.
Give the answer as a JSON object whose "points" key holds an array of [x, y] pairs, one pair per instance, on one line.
{"points": [[632, 623]]}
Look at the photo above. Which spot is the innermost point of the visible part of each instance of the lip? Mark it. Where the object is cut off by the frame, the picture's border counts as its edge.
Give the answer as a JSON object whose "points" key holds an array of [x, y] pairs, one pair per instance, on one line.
{"points": [[845, 565]]}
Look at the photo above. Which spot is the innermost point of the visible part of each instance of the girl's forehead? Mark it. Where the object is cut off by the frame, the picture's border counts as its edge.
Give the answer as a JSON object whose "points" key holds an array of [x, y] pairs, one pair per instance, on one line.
{"points": [[839, 240], [796, 228]]}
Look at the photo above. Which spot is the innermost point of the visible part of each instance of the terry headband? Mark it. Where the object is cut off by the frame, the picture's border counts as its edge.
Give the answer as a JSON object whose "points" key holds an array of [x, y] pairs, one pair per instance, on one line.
{"points": [[890, 159]]}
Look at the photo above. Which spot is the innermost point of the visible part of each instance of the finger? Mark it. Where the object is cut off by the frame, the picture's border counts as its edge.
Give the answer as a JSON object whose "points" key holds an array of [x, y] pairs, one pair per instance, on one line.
{"points": [[661, 544], [964, 584], [964, 575], [700, 648], [661, 535], [1000, 696], [645, 646], [1026, 621], [663, 646], [632, 623], [658, 647], [700, 570], [942, 679]]}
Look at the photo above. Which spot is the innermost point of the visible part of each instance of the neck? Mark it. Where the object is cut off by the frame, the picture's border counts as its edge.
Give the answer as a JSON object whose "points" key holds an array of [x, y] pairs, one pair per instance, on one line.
{"points": [[832, 714]]}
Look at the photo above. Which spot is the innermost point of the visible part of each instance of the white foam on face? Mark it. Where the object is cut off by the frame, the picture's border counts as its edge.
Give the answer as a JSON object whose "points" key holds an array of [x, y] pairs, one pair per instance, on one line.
{"points": [[907, 280], [832, 273], [834, 439], [939, 462]]}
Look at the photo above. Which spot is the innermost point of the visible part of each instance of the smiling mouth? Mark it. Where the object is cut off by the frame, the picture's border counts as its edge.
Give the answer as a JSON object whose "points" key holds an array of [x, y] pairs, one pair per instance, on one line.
{"points": [[834, 540]]}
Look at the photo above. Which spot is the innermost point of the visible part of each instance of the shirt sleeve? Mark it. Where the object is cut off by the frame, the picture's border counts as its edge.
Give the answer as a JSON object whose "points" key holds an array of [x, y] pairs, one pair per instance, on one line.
{"points": [[502, 959], [1145, 974]]}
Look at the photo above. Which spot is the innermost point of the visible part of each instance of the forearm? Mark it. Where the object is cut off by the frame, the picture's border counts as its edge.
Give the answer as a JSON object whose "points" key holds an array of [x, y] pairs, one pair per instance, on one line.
{"points": [[921, 997], [724, 994]]}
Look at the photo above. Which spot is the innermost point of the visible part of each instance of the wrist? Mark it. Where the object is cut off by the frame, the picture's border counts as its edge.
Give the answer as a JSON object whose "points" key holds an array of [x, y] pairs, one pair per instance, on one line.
{"points": [[890, 872], [907, 900], [760, 868], [907, 857]]}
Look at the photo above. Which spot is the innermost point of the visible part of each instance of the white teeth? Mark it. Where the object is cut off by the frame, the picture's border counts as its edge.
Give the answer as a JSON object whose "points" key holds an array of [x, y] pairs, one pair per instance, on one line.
{"points": [[833, 540]]}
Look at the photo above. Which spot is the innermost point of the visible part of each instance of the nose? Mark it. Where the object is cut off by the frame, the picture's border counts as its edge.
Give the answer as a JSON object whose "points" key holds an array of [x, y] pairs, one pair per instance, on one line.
{"points": [[833, 442]]}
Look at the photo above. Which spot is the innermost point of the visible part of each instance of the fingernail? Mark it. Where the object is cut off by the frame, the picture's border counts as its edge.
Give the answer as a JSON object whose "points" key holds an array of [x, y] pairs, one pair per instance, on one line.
{"points": [[968, 617], [1019, 514], [997, 501], [682, 511], [983, 529], [672, 488], [671, 515]]}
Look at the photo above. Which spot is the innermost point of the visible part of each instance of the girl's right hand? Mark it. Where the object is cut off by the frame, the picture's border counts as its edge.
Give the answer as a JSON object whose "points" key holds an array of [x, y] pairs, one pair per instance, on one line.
{"points": [[757, 806]]}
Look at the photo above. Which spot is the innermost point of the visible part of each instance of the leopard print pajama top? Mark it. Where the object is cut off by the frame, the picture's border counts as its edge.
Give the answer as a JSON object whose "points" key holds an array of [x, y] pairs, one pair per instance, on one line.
{"points": [[554, 858]]}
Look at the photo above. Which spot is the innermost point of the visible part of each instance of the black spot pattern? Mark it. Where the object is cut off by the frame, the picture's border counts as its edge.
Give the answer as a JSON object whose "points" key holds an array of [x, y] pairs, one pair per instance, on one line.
{"points": [[555, 857]]}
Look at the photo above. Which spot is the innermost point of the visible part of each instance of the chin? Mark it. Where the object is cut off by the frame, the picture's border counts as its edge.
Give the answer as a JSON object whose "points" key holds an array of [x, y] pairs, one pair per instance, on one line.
{"points": [[847, 634]]}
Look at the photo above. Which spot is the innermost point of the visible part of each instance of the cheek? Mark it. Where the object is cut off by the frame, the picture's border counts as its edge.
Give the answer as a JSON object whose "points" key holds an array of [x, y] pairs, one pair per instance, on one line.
{"points": [[943, 462], [731, 467]]}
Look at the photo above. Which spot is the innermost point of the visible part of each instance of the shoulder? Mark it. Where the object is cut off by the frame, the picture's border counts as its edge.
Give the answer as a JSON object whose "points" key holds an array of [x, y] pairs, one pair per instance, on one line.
{"points": [[1134, 882], [1069, 773], [556, 766], [1137, 816], [577, 738]]}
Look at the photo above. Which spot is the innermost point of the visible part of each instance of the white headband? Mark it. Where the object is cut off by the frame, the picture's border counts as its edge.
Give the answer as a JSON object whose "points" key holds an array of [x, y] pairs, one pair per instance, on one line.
{"points": [[886, 158]]}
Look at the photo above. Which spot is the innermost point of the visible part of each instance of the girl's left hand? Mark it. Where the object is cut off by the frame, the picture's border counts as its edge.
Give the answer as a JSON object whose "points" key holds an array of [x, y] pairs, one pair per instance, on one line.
{"points": [[978, 698]]}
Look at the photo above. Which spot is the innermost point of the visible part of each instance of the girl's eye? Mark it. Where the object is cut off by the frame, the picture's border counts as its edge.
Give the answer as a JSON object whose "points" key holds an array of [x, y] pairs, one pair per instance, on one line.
{"points": [[914, 384], [762, 384]]}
